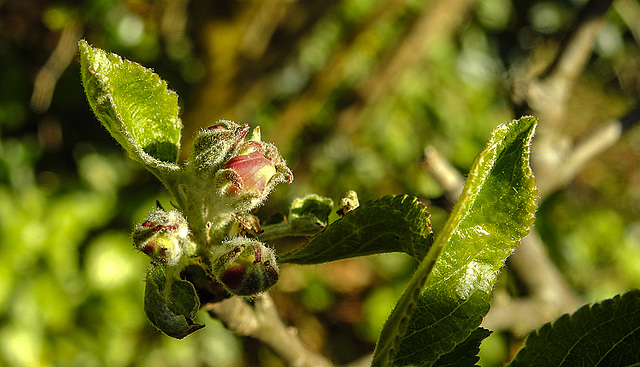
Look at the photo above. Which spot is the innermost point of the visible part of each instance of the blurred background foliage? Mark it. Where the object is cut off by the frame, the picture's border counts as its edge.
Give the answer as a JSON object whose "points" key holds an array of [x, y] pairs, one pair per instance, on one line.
{"points": [[352, 91]]}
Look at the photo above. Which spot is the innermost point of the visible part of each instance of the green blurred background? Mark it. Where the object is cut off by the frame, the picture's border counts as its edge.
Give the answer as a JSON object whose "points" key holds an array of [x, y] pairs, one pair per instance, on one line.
{"points": [[351, 99]]}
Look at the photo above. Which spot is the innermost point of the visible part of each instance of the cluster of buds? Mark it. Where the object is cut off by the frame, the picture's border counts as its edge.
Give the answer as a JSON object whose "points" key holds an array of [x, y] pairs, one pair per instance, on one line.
{"points": [[229, 173], [164, 237]]}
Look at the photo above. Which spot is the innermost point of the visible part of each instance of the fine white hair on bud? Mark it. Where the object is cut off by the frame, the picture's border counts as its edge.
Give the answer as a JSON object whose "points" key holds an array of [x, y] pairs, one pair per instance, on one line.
{"points": [[244, 266], [230, 170], [163, 236]]}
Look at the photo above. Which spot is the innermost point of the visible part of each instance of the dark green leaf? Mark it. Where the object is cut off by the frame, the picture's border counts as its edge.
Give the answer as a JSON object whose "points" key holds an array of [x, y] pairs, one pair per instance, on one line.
{"points": [[389, 224], [465, 353], [604, 334], [134, 104], [450, 292], [170, 303]]}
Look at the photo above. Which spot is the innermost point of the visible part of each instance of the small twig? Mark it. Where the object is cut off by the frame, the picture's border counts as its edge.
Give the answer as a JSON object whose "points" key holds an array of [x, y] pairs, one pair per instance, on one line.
{"points": [[547, 94], [629, 11], [605, 136], [576, 49], [444, 172], [261, 321], [550, 297], [59, 60]]}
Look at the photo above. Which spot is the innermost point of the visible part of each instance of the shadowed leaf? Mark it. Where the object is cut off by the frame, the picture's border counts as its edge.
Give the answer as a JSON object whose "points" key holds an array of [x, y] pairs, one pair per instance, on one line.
{"points": [[171, 304], [603, 334]]}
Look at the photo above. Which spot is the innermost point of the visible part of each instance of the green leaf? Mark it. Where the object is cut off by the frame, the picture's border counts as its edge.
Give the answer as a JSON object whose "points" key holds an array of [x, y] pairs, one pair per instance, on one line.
{"points": [[311, 206], [450, 292], [170, 303], [604, 334], [465, 353], [307, 216], [134, 104], [389, 224]]}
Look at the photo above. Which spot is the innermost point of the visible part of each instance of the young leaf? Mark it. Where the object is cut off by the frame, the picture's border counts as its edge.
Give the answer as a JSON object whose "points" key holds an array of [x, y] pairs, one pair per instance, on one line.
{"points": [[389, 224], [311, 206], [307, 216], [134, 104], [170, 303], [604, 334], [450, 292]]}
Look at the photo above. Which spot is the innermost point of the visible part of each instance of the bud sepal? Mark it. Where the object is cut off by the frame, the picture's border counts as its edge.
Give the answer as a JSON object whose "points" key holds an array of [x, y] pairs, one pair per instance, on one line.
{"points": [[244, 266]]}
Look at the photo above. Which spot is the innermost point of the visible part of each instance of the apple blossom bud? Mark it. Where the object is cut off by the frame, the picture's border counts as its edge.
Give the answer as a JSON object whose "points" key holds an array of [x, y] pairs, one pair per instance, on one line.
{"points": [[163, 236], [231, 173], [244, 266], [213, 145], [253, 171]]}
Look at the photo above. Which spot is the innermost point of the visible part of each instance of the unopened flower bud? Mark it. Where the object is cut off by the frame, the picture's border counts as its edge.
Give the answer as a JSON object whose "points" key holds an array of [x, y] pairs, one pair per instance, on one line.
{"points": [[247, 178], [253, 172], [244, 266], [163, 236], [213, 145], [231, 173]]}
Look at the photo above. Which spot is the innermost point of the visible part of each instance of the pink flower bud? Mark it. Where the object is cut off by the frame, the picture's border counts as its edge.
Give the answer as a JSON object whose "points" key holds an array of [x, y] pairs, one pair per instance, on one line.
{"points": [[253, 172]]}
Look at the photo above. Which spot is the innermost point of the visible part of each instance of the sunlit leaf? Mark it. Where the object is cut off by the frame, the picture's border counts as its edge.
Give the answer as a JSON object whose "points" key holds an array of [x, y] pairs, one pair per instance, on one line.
{"points": [[450, 292], [134, 104]]}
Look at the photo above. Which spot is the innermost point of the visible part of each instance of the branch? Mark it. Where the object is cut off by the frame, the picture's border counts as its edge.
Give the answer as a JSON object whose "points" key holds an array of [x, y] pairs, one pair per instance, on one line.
{"points": [[629, 11], [443, 172], [546, 95], [586, 149], [557, 161], [261, 321], [60, 58]]}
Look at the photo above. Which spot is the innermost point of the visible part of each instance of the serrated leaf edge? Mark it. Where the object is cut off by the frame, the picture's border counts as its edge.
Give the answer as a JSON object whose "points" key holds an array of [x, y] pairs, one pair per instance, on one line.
{"points": [[106, 99]]}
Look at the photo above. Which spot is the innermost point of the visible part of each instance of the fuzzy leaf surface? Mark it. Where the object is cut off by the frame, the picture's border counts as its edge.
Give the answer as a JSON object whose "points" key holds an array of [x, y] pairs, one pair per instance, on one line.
{"points": [[135, 106], [170, 303], [389, 224], [603, 334], [450, 291]]}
